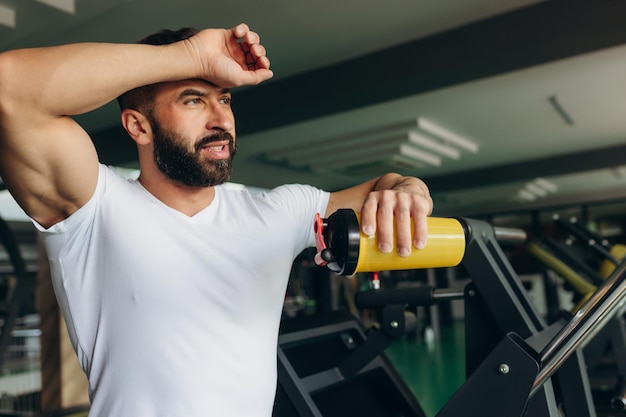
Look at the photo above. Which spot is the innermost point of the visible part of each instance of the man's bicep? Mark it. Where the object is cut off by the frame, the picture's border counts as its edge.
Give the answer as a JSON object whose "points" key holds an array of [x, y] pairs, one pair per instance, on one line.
{"points": [[51, 171]]}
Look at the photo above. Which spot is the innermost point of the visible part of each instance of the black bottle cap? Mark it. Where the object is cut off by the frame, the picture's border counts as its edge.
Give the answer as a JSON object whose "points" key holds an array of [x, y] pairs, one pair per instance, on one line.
{"points": [[342, 235]]}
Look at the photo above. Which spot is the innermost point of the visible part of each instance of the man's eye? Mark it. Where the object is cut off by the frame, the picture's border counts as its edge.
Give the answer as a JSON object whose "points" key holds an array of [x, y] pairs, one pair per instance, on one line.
{"points": [[193, 101], [225, 100]]}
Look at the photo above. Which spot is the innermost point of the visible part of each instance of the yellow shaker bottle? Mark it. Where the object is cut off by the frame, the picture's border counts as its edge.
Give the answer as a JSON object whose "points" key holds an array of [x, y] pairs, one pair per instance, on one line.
{"points": [[346, 250]]}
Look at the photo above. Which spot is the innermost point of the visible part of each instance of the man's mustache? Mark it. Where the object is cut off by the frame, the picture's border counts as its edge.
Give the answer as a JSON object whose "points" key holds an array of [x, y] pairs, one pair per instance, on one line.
{"points": [[217, 137]]}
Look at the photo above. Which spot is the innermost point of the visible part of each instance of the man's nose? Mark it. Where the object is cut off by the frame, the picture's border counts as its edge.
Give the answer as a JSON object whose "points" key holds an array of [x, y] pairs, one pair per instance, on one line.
{"points": [[220, 118]]}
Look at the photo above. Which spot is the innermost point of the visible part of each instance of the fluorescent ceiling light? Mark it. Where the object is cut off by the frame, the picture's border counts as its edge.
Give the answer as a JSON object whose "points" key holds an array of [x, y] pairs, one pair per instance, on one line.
{"points": [[408, 162], [546, 185], [620, 172], [68, 6], [407, 145], [412, 152], [343, 158], [343, 150], [7, 16], [353, 138], [536, 190], [539, 187], [443, 133], [432, 145], [526, 195]]}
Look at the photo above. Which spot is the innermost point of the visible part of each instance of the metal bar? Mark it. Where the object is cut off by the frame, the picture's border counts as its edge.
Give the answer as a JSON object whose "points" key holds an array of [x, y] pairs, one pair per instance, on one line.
{"points": [[509, 234], [448, 294], [601, 307]]}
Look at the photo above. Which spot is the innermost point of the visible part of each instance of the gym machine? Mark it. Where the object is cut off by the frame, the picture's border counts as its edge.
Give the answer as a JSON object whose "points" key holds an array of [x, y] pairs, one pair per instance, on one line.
{"points": [[604, 355], [328, 365], [517, 365], [16, 284]]}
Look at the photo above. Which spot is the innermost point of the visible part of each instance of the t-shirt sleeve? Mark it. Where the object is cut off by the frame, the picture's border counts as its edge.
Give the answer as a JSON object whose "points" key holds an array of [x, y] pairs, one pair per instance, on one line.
{"points": [[300, 203], [56, 235]]}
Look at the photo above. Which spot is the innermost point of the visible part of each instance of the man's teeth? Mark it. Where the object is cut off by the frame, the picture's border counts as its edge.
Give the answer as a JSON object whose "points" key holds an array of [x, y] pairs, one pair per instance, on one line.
{"points": [[216, 148]]}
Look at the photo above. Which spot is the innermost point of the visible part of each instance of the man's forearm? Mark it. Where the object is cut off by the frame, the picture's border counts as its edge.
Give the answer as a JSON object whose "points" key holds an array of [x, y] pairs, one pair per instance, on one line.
{"points": [[77, 78]]}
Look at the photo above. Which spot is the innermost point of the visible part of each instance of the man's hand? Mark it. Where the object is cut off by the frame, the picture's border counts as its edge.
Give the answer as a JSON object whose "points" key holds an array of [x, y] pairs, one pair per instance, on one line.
{"points": [[231, 58], [397, 201]]}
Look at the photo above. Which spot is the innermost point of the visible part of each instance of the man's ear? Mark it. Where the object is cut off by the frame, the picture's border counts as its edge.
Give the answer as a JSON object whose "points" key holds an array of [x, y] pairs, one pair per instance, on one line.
{"points": [[137, 126]]}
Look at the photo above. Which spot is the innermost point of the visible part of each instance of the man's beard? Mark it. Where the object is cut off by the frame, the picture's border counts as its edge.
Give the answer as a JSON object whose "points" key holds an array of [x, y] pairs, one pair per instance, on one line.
{"points": [[179, 164]]}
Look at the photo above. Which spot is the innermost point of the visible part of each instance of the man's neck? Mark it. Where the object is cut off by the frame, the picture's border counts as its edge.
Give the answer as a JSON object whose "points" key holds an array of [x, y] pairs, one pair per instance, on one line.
{"points": [[180, 197]]}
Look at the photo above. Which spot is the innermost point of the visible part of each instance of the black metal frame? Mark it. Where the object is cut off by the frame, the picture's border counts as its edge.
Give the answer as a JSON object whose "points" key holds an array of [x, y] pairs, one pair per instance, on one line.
{"points": [[517, 364], [504, 330], [362, 356]]}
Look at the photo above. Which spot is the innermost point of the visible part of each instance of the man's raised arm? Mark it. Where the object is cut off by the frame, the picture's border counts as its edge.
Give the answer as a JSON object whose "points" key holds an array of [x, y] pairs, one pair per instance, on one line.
{"points": [[47, 161]]}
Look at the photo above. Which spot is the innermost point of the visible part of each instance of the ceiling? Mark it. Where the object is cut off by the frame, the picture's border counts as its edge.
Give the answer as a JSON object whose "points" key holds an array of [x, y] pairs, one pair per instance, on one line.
{"points": [[537, 86]]}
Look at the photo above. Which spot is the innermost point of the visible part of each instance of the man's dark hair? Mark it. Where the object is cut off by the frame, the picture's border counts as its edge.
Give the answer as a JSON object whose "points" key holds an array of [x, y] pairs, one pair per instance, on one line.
{"points": [[141, 98]]}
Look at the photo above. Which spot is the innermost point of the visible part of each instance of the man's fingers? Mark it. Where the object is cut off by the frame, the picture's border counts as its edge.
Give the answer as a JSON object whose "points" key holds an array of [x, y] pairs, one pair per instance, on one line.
{"points": [[256, 56], [252, 38], [398, 219], [368, 215], [240, 30], [403, 230], [255, 62], [420, 222], [420, 231], [385, 224]]}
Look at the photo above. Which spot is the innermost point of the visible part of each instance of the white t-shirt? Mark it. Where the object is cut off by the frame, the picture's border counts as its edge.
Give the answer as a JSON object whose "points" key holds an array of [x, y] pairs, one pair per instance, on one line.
{"points": [[173, 315]]}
